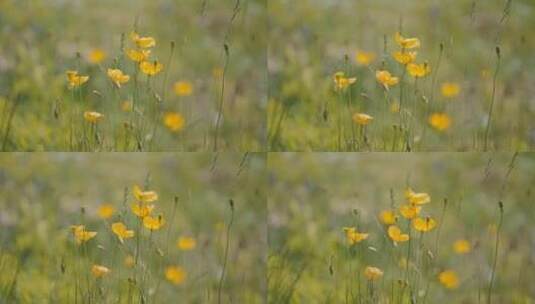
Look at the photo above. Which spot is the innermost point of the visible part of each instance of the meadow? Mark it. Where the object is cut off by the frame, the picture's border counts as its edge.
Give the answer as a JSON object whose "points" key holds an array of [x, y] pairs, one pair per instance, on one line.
{"points": [[401, 228], [132, 228], [137, 75], [388, 75]]}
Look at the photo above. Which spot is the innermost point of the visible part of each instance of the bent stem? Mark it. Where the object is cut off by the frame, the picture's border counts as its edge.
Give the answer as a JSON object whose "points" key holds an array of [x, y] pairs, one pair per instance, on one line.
{"points": [[219, 289]]}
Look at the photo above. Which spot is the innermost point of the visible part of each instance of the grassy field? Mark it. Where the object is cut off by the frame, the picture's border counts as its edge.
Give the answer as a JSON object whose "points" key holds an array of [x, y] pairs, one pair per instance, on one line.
{"points": [[192, 79], [192, 248], [458, 79], [327, 226]]}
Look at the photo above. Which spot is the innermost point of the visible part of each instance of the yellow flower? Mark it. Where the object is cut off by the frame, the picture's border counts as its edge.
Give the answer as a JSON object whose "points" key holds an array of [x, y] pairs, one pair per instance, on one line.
{"points": [[144, 196], [418, 70], [404, 57], [118, 77], [129, 261], [76, 80], [341, 81], [183, 88], [175, 274], [142, 210], [92, 117], [99, 271], [409, 211], [121, 231], [126, 106], [417, 198], [424, 225], [407, 43], [450, 89], [353, 236], [395, 234], [372, 273], [81, 235], [151, 68], [105, 211], [138, 55], [385, 78], [142, 42], [174, 121], [186, 243], [449, 279], [364, 58], [362, 119], [440, 121], [388, 217], [96, 56], [153, 223], [462, 246]]}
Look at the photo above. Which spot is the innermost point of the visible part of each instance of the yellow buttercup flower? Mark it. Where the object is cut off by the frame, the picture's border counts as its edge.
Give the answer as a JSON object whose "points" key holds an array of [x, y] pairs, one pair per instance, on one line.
{"points": [[175, 274], [404, 57], [174, 121], [372, 273], [142, 42], [118, 77], [395, 234], [417, 198], [462, 246], [186, 243], [362, 119], [153, 223], [407, 43], [418, 70], [121, 231], [138, 55], [450, 89], [388, 217], [341, 82], [353, 236], [151, 68], [81, 235], [364, 58], [449, 279], [92, 117], [106, 211], [142, 210], [183, 88], [96, 56], [144, 196], [440, 121], [99, 271], [385, 78], [424, 224], [409, 211], [75, 80]]}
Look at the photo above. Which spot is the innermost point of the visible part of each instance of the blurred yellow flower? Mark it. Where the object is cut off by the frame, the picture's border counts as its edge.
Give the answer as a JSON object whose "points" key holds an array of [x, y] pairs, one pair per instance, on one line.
{"points": [[407, 43], [364, 58], [142, 210], [385, 78], [409, 211], [183, 88], [174, 121], [341, 81], [96, 56], [404, 57], [75, 80], [129, 261], [395, 234], [142, 42], [395, 107], [440, 121], [99, 271], [105, 211], [138, 55], [462, 246], [372, 273], [121, 231], [126, 106], [362, 119], [153, 223], [175, 274], [353, 236], [151, 68], [424, 224], [449, 279], [417, 198], [118, 77], [92, 117], [144, 196], [418, 70], [450, 89], [81, 235], [186, 243], [388, 217]]}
